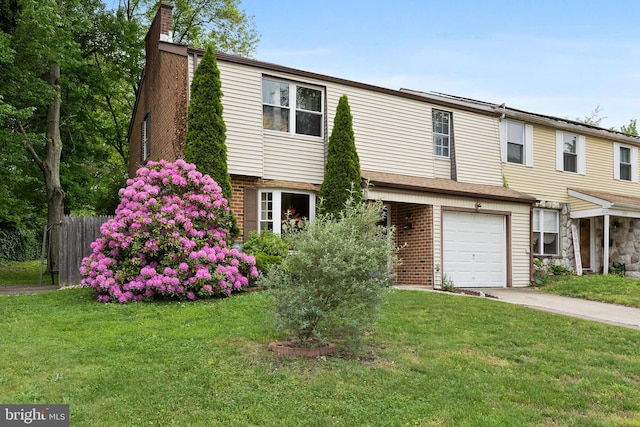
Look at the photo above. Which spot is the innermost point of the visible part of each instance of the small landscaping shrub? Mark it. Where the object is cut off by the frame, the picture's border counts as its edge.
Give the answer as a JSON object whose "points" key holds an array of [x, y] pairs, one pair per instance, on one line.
{"points": [[558, 270], [617, 268], [447, 284], [167, 239], [331, 286], [540, 273], [267, 247]]}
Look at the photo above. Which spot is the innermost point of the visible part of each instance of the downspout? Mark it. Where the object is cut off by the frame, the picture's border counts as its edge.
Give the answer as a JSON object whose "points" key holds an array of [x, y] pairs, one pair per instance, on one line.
{"points": [[605, 255]]}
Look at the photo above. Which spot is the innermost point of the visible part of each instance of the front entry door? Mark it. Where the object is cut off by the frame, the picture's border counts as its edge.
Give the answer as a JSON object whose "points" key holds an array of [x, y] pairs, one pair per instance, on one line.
{"points": [[585, 243]]}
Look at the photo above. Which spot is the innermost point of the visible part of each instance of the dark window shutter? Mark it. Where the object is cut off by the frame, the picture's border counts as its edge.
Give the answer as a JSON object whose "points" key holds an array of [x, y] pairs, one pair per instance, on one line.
{"points": [[250, 211]]}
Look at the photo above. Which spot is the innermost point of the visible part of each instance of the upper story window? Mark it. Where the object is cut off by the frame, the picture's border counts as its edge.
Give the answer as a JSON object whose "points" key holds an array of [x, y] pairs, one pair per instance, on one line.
{"points": [[441, 133], [570, 152], [625, 163], [292, 107], [625, 166], [516, 141], [545, 232], [145, 138]]}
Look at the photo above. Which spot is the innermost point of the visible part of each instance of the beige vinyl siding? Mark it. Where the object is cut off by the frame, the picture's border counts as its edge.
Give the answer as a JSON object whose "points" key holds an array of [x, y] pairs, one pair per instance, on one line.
{"points": [[441, 168], [392, 134], [581, 205], [477, 140], [293, 157], [242, 102], [520, 231], [546, 183]]}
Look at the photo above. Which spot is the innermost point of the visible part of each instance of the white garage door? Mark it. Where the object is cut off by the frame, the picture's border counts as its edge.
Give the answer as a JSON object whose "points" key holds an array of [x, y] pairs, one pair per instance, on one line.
{"points": [[474, 249]]}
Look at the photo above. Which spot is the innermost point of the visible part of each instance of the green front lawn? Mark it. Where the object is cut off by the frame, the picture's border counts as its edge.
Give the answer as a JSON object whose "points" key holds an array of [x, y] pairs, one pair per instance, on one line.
{"points": [[434, 360], [609, 288], [22, 273]]}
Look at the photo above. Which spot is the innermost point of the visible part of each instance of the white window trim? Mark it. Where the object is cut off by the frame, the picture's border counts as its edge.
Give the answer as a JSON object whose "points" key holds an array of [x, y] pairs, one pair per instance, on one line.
{"points": [[440, 156], [581, 153], [536, 229], [616, 162], [293, 107], [528, 143], [277, 205]]}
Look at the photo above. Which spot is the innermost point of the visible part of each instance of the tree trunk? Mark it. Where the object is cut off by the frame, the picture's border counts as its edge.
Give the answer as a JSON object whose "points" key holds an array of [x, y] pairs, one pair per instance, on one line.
{"points": [[51, 170]]}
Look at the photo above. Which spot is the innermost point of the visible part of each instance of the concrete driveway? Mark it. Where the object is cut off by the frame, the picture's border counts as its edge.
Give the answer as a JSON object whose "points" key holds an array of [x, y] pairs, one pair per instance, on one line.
{"points": [[590, 310], [613, 314]]}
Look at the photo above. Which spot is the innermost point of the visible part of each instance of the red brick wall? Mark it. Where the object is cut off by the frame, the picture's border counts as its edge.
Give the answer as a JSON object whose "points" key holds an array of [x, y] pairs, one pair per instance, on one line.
{"points": [[414, 230], [163, 95]]}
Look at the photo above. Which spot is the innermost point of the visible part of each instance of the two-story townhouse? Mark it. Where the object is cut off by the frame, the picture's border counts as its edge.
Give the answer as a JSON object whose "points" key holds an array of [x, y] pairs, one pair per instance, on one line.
{"points": [[585, 180], [434, 162]]}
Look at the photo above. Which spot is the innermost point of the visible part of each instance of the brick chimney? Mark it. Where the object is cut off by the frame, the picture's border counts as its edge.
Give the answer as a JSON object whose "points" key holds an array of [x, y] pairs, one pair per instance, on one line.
{"points": [[166, 21]]}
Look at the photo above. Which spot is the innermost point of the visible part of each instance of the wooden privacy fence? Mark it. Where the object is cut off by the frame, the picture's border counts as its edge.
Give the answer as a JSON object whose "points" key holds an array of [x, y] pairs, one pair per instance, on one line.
{"points": [[76, 235]]}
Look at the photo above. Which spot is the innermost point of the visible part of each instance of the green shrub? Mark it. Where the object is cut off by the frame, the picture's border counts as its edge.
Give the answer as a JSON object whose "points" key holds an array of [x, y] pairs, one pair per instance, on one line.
{"points": [[266, 242], [447, 284], [558, 270], [540, 273], [18, 244], [267, 247], [205, 144], [332, 285], [342, 170], [617, 268], [264, 262]]}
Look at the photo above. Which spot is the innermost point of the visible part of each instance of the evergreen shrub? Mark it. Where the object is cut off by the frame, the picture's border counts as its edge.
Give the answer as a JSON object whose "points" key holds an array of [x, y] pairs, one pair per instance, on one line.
{"points": [[342, 170]]}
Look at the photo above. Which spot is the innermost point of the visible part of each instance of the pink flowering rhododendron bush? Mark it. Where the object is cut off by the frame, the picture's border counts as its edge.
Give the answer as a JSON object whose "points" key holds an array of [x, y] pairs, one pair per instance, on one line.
{"points": [[167, 240]]}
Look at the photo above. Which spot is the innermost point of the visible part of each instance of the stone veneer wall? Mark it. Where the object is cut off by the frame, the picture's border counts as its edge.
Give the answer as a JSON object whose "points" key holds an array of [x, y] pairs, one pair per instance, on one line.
{"points": [[624, 240], [566, 255], [625, 236]]}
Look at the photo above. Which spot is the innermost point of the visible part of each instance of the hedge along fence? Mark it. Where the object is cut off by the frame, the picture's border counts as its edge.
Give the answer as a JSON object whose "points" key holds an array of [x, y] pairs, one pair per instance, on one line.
{"points": [[76, 235]]}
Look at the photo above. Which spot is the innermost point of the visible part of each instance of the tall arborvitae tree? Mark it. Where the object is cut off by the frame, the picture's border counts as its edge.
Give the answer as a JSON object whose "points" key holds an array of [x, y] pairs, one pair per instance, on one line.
{"points": [[206, 132], [342, 170]]}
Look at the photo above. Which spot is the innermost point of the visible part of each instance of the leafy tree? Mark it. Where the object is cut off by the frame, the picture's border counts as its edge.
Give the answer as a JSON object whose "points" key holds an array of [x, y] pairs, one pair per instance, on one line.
{"points": [[201, 23], [342, 170], [63, 137], [206, 131], [594, 118], [631, 129]]}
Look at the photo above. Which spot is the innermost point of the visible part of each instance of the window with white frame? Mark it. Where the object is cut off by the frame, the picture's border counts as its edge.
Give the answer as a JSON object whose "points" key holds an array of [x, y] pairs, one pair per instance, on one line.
{"points": [[516, 141], [571, 152], [292, 107], [441, 133], [145, 138], [545, 232], [625, 162], [281, 210]]}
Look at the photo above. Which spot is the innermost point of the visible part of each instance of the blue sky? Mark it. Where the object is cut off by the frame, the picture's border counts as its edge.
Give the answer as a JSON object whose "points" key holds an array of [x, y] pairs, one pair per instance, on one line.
{"points": [[560, 58]]}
